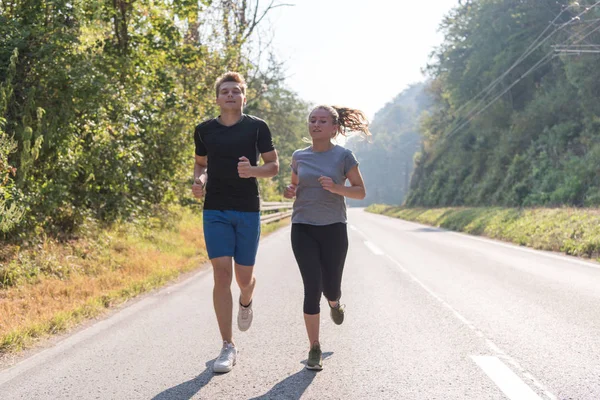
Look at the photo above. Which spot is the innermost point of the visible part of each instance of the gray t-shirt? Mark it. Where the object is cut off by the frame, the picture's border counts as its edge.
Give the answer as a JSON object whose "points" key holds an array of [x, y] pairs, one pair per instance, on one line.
{"points": [[315, 205]]}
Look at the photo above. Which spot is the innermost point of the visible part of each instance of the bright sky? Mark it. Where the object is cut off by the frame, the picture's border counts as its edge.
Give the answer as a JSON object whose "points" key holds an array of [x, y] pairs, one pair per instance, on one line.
{"points": [[356, 53]]}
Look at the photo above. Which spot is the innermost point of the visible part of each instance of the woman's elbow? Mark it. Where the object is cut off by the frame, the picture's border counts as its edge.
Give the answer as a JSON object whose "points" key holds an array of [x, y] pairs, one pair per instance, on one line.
{"points": [[362, 194]]}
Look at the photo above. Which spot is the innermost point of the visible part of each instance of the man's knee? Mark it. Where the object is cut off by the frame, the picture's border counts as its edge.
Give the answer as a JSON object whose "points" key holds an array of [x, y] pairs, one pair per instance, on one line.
{"points": [[244, 276], [245, 283], [222, 271]]}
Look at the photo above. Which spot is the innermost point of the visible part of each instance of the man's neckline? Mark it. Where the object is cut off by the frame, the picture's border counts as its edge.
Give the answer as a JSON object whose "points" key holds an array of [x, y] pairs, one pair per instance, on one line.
{"points": [[218, 119]]}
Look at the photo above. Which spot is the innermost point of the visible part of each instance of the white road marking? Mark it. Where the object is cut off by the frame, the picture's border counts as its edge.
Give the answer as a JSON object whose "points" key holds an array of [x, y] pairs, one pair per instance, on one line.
{"points": [[354, 228], [477, 331], [376, 250], [510, 384], [491, 345]]}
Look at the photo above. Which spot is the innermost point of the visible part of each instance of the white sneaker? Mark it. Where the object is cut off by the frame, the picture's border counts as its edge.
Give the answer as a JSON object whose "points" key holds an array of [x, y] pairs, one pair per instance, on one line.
{"points": [[245, 317], [226, 360]]}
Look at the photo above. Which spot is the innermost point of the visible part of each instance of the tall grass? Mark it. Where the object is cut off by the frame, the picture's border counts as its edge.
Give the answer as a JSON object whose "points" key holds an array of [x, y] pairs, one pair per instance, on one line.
{"points": [[573, 231]]}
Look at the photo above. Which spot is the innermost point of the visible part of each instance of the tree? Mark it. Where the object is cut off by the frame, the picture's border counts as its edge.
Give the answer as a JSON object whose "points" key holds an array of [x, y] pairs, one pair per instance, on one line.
{"points": [[510, 126], [104, 99], [395, 141]]}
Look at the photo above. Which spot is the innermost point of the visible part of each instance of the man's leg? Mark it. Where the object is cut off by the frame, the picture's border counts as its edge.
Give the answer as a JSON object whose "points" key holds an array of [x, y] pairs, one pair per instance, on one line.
{"points": [[244, 275], [222, 300], [247, 235], [219, 235], [223, 303]]}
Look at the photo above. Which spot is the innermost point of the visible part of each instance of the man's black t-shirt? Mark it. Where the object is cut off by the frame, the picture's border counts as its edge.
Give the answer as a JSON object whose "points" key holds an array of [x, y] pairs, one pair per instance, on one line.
{"points": [[224, 145]]}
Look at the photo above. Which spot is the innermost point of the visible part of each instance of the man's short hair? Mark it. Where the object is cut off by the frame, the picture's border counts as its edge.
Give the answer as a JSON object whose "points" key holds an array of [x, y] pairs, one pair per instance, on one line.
{"points": [[230, 76]]}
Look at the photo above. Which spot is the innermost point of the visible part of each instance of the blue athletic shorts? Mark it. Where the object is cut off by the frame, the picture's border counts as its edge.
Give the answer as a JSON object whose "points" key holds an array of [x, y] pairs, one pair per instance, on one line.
{"points": [[233, 234]]}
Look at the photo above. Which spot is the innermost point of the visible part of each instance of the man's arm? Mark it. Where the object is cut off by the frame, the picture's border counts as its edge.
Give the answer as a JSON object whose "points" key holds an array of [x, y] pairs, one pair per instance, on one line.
{"points": [[200, 168], [269, 169], [200, 176]]}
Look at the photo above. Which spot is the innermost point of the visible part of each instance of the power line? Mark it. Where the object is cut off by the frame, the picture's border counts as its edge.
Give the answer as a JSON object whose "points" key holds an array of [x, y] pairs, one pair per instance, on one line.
{"points": [[581, 33], [521, 57], [532, 47], [547, 58], [588, 34], [576, 45], [578, 51], [473, 112]]}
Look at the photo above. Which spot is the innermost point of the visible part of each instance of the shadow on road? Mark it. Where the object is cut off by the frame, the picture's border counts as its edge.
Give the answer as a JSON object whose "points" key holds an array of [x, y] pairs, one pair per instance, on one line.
{"points": [[291, 388], [187, 390], [428, 230], [294, 386]]}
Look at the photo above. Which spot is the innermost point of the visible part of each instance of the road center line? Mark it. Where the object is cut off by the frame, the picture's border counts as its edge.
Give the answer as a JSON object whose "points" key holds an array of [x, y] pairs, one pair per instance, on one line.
{"points": [[478, 332], [510, 384], [376, 250], [491, 345]]}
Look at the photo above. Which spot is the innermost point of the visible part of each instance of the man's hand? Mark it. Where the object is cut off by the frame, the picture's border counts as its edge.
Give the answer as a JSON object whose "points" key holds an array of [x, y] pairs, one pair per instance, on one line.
{"points": [[290, 191], [244, 168], [327, 184], [198, 188]]}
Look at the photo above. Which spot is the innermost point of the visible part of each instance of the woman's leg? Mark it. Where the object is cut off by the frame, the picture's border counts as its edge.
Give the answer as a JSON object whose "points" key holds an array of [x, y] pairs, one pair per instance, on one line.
{"points": [[334, 247], [306, 250]]}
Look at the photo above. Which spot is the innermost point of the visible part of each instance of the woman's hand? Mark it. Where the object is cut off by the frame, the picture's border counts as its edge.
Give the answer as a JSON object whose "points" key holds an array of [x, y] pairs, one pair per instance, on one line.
{"points": [[328, 184]]}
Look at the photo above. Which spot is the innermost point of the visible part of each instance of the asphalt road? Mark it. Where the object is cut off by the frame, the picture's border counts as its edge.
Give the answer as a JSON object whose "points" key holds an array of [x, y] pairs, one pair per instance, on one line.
{"points": [[430, 315]]}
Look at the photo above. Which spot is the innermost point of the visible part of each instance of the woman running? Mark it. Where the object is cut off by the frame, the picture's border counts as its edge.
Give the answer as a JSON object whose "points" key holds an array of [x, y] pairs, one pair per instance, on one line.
{"points": [[319, 235]]}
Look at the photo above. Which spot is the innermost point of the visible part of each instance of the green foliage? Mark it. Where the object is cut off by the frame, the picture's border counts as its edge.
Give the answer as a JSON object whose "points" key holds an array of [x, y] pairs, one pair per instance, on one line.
{"points": [[393, 147], [538, 143], [101, 99], [10, 212]]}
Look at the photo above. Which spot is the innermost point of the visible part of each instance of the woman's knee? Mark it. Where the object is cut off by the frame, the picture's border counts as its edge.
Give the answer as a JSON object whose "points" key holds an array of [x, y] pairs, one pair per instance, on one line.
{"points": [[333, 296], [312, 299], [312, 306]]}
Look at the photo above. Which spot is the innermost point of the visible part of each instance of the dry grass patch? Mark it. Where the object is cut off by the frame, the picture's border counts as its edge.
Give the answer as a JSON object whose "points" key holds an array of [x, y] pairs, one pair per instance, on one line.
{"points": [[51, 287]]}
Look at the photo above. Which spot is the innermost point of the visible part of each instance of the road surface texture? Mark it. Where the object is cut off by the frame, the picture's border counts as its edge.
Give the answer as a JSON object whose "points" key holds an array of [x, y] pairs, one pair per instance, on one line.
{"points": [[430, 315]]}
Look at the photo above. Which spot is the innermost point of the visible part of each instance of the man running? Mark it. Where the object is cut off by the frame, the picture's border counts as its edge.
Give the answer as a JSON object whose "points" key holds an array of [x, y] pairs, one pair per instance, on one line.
{"points": [[226, 168]]}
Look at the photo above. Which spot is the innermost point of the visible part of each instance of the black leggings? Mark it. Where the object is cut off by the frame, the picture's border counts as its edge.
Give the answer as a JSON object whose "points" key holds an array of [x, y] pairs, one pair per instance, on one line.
{"points": [[320, 252]]}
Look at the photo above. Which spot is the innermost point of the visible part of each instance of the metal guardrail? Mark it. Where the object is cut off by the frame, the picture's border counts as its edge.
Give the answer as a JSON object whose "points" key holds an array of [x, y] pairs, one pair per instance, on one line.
{"points": [[285, 206]]}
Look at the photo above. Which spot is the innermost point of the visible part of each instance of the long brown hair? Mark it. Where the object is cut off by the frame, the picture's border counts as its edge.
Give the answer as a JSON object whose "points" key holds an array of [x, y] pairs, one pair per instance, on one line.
{"points": [[347, 119]]}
